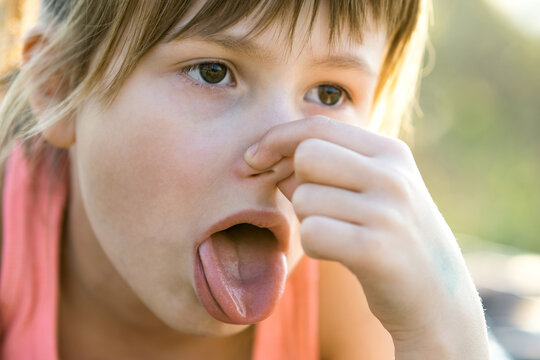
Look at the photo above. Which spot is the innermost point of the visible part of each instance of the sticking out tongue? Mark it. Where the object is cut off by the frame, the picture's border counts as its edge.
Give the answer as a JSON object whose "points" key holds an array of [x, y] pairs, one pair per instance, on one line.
{"points": [[245, 274]]}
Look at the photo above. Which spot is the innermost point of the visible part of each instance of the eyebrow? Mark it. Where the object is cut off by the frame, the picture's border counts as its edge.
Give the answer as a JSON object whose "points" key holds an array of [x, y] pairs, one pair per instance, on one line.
{"points": [[347, 62], [248, 47], [238, 44]]}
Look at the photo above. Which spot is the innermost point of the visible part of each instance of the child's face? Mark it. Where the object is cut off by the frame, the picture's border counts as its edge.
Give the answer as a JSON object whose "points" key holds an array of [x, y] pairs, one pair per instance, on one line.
{"points": [[164, 163]]}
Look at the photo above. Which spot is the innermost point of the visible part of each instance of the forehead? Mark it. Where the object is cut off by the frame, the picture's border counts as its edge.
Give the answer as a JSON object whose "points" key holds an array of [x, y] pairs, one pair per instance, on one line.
{"points": [[291, 21]]}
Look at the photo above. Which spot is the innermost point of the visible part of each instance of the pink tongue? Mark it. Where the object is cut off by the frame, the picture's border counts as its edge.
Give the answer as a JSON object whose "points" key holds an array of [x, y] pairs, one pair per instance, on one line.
{"points": [[245, 272]]}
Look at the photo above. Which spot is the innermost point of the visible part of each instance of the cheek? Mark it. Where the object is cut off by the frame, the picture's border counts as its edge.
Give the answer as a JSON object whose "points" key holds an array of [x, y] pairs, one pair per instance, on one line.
{"points": [[148, 158], [148, 174], [133, 175]]}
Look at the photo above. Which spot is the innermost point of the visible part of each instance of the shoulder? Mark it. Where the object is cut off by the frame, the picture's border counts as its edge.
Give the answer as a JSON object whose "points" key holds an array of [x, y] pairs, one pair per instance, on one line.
{"points": [[348, 329]]}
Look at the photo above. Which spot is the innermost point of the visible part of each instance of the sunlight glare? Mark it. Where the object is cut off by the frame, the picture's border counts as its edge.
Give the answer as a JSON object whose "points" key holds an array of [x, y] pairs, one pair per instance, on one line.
{"points": [[524, 14]]}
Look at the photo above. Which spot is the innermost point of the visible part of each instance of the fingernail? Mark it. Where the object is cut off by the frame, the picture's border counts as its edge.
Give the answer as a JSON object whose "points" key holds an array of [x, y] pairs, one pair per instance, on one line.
{"points": [[252, 150]]}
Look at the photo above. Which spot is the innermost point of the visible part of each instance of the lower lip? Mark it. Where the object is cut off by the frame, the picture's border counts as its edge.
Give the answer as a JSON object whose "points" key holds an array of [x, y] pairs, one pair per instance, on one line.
{"points": [[205, 295]]}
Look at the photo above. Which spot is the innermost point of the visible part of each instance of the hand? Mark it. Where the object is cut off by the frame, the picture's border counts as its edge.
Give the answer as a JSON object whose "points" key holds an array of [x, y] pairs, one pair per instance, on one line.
{"points": [[361, 201]]}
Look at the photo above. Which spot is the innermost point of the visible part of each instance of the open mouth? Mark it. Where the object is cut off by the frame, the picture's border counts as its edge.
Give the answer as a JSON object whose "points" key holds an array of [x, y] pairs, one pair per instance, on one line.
{"points": [[245, 229], [241, 273]]}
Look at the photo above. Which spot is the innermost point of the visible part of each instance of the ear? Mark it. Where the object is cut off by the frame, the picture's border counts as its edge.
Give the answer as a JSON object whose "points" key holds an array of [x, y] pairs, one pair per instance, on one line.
{"points": [[62, 133]]}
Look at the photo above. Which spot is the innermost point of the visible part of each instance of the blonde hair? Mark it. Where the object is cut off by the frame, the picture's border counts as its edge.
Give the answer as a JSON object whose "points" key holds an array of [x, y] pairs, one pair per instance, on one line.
{"points": [[120, 32], [15, 18]]}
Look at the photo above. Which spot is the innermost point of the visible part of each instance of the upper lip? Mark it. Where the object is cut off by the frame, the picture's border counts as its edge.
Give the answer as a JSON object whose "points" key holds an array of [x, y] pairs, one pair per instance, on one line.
{"points": [[270, 219]]}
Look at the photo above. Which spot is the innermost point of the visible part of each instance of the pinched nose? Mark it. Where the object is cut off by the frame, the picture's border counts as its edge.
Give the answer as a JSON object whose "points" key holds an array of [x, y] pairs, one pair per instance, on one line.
{"points": [[276, 110], [280, 176], [276, 173]]}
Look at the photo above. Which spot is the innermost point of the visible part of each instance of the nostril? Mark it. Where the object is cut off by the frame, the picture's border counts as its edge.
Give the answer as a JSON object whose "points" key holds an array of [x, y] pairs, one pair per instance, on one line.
{"points": [[242, 169], [263, 173], [279, 171]]}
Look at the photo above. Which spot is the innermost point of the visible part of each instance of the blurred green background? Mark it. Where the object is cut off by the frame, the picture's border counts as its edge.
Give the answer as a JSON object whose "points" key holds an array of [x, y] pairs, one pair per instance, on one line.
{"points": [[477, 143]]}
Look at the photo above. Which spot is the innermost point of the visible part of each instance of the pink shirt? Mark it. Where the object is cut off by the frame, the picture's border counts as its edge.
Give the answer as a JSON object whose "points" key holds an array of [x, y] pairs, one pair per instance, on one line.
{"points": [[34, 202]]}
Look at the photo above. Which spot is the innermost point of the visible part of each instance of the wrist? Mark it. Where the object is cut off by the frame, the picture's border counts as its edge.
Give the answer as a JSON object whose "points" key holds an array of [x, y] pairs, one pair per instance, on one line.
{"points": [[428, 346], [457, 335]]}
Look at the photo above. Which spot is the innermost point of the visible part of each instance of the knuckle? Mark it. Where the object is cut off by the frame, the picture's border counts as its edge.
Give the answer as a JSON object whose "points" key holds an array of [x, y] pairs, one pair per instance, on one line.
{"points": [[320, 122], [392, 218], [371, 250], [268, 137], [307, 147], [305, 156], [398, 184], [310, 227], [319, 125], [398, 148], [378, 258], [301, 198], [311, 230], [367, 252]]}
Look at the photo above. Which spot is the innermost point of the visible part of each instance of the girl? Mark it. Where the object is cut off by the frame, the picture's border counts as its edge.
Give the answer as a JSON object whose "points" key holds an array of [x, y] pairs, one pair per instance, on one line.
{"points": [[170, 164]]}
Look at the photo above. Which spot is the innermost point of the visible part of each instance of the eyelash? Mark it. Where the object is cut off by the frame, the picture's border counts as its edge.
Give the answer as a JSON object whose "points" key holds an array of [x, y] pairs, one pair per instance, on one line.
{"points": [[341, 88], [184, 71]]}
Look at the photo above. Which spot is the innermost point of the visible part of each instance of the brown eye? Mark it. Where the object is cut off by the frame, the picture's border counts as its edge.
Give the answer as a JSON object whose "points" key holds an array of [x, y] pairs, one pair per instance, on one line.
{"points": [[212, 73], [327, 95], [209, 73]]}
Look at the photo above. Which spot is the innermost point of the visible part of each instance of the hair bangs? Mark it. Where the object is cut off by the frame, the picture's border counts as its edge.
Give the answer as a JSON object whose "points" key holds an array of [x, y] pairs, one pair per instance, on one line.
{"points": [[344, 16]]}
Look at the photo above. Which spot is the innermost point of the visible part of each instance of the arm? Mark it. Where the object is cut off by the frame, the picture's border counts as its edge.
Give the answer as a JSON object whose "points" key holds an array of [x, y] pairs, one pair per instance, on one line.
{"points": [[347, 328]]}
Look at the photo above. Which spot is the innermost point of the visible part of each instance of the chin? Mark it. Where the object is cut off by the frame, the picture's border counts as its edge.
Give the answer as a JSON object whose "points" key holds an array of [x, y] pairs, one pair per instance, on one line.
{"points": [[200, 323], [221, 329]]}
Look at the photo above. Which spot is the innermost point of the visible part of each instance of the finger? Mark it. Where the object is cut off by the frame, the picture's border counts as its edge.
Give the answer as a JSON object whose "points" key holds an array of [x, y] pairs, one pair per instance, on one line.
{"points": [[322, 162], [331, 239], [282, 140], [288, 186], [283, 169], [320, 200]]}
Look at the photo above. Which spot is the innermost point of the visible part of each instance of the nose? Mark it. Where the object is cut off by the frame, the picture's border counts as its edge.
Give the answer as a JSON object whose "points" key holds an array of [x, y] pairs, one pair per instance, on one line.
{"points": [[278, 172], [279, 176], [278, 107]]}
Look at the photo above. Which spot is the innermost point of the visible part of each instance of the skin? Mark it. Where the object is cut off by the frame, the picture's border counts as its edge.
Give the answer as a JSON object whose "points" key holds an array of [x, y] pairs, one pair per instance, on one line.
{"points": [[392, 236], [168, 158]]}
